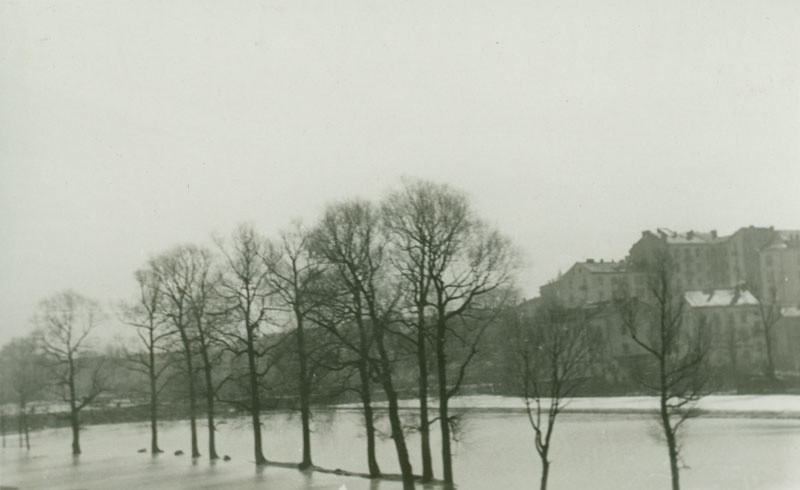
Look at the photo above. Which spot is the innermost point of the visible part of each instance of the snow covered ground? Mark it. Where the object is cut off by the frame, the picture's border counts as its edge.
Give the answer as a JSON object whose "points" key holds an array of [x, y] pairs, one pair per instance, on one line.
{"points": [[778, 406]]}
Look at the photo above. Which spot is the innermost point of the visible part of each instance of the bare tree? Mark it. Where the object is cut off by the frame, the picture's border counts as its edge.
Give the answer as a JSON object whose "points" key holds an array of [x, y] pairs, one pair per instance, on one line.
{"points": [[176, 270], [245, 289], [152, 329], [294, 273], [22, 374], [207, 317], [678, 351], [553, 354], [348, 239], [451, 259], [64, 322]]}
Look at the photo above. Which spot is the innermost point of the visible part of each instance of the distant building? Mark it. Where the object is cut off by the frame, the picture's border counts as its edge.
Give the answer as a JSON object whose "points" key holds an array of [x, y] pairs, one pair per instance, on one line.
{"points": [[779, 268], [742, 250], [697, 257], [724, 278], [733, 317], [787, 341], [593, 282]]}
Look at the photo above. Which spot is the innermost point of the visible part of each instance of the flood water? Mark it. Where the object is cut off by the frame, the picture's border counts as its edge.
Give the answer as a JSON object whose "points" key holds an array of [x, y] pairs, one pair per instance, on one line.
{"points": [[495, 450]]}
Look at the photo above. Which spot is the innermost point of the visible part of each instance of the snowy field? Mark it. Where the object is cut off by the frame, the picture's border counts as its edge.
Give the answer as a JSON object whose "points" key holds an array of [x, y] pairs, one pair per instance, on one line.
{"points": [[769, 406]]}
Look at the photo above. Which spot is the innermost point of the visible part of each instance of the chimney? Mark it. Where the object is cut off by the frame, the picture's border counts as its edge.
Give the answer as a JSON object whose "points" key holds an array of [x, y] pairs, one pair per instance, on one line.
{"points": [[714, 234], [590, 261], [690, 235]]}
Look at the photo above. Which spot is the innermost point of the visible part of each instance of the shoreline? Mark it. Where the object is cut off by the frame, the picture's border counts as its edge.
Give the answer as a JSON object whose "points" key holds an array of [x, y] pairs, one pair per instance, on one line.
{"points": [[712, 406]]}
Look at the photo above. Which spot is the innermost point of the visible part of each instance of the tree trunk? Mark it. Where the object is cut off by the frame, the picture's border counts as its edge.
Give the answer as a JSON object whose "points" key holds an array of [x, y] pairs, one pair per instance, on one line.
{"points": [[672, 447], [23, 418], [305, 402], [19, 428], [27, 433], [770, 369], [399, 440], [192, 400], [424, 427], [76, 443], [403, 460], [73, 409], [673, 461], [444, 416], [154, 449], [369, 420], [212, 446], [545, 473], [255, 401]]}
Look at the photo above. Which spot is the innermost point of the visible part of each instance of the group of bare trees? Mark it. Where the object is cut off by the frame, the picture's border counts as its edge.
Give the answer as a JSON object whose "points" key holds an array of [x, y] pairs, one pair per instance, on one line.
{"points": [[417, 275], [556, 349], [413, 280]]}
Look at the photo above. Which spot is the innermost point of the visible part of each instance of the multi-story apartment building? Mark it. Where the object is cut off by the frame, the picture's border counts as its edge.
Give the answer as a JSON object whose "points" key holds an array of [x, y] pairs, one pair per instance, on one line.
{"points": [[734, 319], [742, 250], [780, 269], [723, 277], [593, 282], [697, 256]]}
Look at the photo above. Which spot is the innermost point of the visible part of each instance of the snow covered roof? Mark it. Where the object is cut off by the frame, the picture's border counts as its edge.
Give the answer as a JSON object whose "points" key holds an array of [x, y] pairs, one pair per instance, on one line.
{"points": [[603, 267], [720, 297], [687, 238], [791, 311]]}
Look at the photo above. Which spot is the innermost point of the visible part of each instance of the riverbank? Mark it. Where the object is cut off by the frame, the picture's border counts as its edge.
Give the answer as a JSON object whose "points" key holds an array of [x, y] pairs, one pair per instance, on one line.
{"points": [[751, 406]]}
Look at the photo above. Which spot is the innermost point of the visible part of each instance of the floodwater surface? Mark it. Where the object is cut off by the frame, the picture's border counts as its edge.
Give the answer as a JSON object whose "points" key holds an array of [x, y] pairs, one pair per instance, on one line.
{"points": [[494, 450]]}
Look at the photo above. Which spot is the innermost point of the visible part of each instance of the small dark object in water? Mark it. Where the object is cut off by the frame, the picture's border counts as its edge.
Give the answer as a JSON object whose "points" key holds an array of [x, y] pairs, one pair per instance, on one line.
{"points": [[226, 458], [178, 453], [143, 450]]}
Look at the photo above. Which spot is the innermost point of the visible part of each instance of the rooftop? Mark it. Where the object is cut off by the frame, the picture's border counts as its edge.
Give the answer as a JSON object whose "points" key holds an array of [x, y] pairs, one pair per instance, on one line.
{"points": [[785, 239], [720, 297], [690, 237]]}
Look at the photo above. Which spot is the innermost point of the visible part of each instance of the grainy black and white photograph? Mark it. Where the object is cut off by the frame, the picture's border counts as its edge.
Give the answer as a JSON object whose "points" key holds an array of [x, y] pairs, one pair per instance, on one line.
{"points": [[367, 245]]}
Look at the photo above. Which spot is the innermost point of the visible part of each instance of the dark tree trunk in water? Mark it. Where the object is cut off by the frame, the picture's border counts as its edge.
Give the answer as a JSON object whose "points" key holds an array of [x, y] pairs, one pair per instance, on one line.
{"points": [[395, 422], [76, 442], [255, 400], [444, 416], [399, 440], [369, 419], [305, 395], [73, 409], [545, 471], [424, 428], [212, 446], [154, 449], [19, 428], [192, 401], [24, 420]]}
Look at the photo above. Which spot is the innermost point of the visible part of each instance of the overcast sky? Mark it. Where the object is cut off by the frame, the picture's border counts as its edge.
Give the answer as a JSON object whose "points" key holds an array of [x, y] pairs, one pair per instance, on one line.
{"points": [[130, 126]]}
